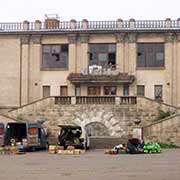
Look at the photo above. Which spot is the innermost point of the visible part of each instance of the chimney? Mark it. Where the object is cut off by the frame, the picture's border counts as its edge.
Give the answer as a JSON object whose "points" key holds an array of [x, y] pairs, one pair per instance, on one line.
{"points": [[52, 21]]}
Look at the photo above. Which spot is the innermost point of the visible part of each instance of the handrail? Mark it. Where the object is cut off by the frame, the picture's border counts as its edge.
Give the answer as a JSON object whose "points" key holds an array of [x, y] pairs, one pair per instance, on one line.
{"points": [[90, 25]]}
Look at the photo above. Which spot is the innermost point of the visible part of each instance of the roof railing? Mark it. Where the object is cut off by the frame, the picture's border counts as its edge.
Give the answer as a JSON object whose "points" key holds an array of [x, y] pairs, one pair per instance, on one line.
{"points": [[56, 24]]}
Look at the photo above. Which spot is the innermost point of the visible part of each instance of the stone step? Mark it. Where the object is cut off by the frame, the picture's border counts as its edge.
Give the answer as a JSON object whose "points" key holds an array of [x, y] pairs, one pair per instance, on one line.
{"points": [[106, 142]]}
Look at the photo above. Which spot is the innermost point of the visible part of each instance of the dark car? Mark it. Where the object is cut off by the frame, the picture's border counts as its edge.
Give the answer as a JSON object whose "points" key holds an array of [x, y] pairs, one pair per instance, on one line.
{"points": [[30, 134]]}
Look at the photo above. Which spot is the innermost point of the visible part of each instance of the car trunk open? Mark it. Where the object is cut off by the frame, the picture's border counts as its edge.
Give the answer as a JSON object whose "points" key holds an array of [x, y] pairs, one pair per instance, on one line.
{"points": [[70, 135]]}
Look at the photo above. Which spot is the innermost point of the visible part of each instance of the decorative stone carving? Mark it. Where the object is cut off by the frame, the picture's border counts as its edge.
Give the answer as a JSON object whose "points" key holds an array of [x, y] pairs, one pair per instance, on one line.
{"points": [[36, 39], [37, 24], [72, 38], [120, 37], [26, 25], [73, 24], [24, 39], [120, 23], [83, 38], [169, 37], [131, 37], [84, 24], [178, 37], [168, 23], [132, 23]]}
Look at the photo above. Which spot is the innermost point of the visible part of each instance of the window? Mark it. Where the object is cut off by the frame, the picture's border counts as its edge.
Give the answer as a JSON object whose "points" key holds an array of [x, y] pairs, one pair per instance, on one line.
{"points": [[150, 55], [77, 90], [55, 56], [1, 131], [140, 90], [102, 54], [94, 90], [63, 90], [158, 92], [32, 131], [46, 91], [126, 90], [109, 90]]}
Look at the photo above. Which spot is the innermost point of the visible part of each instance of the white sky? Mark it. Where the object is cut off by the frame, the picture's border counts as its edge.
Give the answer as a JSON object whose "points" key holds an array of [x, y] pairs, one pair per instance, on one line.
{"points": [[31, 10]]}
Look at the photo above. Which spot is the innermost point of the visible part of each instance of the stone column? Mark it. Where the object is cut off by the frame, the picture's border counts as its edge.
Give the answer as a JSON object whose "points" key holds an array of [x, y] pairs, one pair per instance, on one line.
{"points": [[174, 71], [132, 53], [72, 61], [35, 87], [24, 69], [167, 94], [72, 53], [120, 38], [132, 61], [178, 70], [84, 60]]}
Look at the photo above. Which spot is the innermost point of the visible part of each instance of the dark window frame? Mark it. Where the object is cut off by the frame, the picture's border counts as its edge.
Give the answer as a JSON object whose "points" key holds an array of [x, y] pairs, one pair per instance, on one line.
{"points": [[125, 87], [43, 90], [77, 87], [141, 94], [110, 87], [54, 53], [106, 52], [61, 90], [154, 55], [161, 97], [97, 87]]}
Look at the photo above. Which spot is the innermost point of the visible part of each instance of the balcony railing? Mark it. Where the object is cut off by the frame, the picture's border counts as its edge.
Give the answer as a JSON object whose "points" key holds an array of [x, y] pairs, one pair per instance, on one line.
{"points": [[95, 100], [63, 100], [118, 100], [91, 25]]}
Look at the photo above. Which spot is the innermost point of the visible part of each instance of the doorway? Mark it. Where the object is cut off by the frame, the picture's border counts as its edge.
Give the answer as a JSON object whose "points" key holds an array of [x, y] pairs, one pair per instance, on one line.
{"points": [[63, 91]]}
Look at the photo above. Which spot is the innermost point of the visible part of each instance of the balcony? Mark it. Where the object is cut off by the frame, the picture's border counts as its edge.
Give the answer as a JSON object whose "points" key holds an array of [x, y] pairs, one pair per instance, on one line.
{"points": [[116, 100], [100, 74], [77, 78]]}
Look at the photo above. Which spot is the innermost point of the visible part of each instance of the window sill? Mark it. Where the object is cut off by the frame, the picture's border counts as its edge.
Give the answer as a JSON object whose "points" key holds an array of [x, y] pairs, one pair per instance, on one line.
{"points": [[150, 68], [54, 69]]}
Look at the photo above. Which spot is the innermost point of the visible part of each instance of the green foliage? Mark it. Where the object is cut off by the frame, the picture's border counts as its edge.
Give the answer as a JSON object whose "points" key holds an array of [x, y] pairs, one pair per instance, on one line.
{"points": [[170, 145], [152, 147], [19, 117]]}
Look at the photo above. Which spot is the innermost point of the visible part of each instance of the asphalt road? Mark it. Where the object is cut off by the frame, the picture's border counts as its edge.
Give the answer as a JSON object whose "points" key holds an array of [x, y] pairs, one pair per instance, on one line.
{"points": [[94, 165]]}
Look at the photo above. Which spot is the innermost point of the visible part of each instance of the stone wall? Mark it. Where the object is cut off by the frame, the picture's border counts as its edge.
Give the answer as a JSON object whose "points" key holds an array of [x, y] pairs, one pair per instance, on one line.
{"points": [[149, 109], [164, 131], [5, 119], [100, 120]]}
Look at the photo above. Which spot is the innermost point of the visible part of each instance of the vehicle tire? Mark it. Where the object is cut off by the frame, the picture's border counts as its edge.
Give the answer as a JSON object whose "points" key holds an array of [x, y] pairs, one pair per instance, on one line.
{"points": [[47, 146], [32, 149]]}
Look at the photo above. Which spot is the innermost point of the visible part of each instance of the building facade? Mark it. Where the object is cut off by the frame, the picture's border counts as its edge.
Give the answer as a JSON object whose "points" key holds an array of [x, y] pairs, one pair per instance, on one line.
{"points": [[89, 58]]}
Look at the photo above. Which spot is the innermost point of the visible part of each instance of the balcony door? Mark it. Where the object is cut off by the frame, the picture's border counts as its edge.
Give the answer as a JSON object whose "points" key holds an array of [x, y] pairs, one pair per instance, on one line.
{"points": [[63, 90], [94, 91]]}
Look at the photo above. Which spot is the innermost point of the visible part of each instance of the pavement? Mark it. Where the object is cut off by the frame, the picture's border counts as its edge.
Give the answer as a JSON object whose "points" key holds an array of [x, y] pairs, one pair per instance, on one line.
{"points": [[93, 165]]}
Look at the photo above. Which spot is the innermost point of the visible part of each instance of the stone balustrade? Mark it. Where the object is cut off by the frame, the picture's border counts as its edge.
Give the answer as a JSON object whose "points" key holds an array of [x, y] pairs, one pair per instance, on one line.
{"points": [[51, 24]]}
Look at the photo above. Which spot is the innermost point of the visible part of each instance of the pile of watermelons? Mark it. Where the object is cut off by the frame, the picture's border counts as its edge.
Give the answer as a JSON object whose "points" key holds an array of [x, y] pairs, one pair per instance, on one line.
{"points": [[152, 147]]}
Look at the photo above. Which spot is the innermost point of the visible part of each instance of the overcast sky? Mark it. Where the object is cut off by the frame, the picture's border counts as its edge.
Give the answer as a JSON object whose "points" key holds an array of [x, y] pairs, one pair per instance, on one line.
{"points": [[19, 10]]}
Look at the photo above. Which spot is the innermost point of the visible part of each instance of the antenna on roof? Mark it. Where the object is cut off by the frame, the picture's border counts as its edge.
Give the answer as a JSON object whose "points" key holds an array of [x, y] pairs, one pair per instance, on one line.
{"points": [[52, 16]]}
